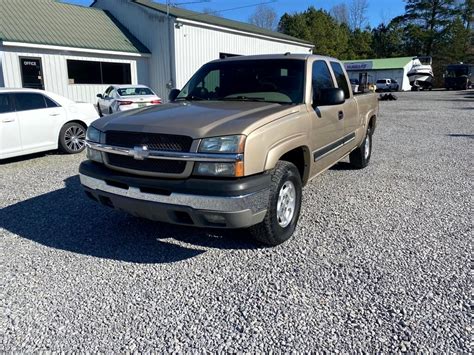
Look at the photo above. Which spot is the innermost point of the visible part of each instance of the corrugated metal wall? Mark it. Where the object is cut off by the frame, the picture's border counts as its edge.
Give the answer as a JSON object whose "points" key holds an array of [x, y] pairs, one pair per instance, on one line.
{"points": [[191, 45], [2, 82], [150, 28], [196, 45], [55, 73]]}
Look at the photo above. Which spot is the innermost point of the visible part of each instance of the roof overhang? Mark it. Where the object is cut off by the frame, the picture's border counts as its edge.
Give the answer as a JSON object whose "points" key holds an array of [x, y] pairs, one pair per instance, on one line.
{"points": [[246, 33], [73, 49]]}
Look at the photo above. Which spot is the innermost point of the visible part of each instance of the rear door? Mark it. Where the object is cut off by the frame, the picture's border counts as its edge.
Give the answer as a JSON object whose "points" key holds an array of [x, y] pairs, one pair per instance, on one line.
{"points": [[40, 119], [10, 141], [327, 127], [350, 111]]}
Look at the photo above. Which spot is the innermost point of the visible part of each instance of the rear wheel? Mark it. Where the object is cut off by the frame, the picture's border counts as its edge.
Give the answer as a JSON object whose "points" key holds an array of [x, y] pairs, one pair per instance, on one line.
{"points": [[360, 157], [283, 206], [72, 138]]}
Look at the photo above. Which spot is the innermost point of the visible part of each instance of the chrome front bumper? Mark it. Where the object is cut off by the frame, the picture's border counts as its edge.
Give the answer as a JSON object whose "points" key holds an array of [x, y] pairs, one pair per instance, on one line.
{"points": [[181, 208]]}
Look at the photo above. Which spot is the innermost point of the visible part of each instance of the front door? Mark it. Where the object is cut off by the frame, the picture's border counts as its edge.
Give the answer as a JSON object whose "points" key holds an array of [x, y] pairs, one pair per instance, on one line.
{"points": [[31, 73], [327, 126]]}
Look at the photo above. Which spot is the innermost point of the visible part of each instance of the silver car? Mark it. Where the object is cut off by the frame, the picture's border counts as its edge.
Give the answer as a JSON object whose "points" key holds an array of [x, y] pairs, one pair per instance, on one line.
{"points": [[118, 98]]}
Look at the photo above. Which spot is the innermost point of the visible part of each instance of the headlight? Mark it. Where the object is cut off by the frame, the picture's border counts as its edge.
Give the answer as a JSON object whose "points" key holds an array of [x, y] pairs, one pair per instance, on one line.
{"points": [[93, 134], [226, 144]]}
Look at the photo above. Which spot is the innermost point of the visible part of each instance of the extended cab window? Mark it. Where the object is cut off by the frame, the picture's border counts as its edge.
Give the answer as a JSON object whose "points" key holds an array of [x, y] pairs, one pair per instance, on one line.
{"points": [[29, 101], [5, 103], [341, 78], [321, 79]]}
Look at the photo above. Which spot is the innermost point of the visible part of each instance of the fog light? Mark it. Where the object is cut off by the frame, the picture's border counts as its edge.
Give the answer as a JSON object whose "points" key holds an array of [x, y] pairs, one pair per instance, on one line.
{"points": [[220, 169], [214, 218], [94, 155]]}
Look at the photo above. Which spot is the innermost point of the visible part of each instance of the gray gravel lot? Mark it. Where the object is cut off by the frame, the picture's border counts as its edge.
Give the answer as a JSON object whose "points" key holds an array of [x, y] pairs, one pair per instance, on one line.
{"points": [[380, 261]]}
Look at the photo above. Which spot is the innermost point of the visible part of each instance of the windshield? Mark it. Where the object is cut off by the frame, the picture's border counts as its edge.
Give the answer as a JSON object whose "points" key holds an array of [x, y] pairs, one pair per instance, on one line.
{"points": [[280, 80], [455, 72], [134, 91]]}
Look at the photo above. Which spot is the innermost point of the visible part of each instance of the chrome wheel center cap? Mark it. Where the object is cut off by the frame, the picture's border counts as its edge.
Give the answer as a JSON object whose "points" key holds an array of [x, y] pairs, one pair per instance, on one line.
{"points": [[286, 204]]}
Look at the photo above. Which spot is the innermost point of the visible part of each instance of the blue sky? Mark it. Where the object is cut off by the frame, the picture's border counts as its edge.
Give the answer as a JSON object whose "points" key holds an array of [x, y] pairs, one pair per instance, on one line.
{"points": [[379, 10]]}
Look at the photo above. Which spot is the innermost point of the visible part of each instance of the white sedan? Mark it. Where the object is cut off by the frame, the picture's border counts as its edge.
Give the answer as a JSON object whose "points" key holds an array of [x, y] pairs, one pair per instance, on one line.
{"points": [[119, 98], [32, 121]]}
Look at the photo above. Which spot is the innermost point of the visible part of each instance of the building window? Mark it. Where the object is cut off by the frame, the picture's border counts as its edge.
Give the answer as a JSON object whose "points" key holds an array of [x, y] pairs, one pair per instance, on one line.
{"points": [[88, 72]]}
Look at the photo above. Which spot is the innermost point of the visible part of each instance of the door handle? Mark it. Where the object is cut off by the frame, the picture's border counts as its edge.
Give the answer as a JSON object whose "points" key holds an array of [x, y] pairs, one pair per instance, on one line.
{"points": [[54, 114], [340, 115], [6, 120]]}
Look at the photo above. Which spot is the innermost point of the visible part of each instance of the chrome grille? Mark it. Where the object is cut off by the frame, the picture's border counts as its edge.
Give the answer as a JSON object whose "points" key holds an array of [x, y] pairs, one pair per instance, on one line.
{"points": [[154, 141]]}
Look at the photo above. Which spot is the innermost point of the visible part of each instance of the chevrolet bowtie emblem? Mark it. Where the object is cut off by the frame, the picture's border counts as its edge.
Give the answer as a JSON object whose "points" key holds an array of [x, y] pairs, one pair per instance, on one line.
{"points": [[140, 152]]}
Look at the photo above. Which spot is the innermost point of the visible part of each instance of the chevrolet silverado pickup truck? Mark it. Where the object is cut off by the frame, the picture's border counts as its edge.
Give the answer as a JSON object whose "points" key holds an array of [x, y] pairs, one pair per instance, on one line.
{"points": [[234, 147]]}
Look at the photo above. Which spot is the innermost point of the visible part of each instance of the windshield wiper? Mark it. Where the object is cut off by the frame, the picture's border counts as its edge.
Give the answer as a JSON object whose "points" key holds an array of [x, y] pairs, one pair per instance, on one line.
{"points": [[189, 98], [242, 98]]}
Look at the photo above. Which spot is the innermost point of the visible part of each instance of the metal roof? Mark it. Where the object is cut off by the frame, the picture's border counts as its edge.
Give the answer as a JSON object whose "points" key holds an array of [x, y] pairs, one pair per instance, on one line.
{"points": [[49, 22], [386, 63], [218, 21]]}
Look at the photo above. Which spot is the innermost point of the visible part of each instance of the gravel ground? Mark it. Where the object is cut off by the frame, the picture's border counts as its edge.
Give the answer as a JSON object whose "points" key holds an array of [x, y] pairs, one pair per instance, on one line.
{"points": [[380, 261]]}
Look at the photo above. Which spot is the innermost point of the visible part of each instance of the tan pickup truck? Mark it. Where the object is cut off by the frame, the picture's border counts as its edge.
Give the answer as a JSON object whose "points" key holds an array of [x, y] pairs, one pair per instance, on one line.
{"points": [[234, 147]]}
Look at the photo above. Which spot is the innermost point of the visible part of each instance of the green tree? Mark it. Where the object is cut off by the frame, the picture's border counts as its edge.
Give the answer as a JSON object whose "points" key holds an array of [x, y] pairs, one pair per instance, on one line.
{"points": [[426, 21], [320, 28], [360, 44], [387, 40]]}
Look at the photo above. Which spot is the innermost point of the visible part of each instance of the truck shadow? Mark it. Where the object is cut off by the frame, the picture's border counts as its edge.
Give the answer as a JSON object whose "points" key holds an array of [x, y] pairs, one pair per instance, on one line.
{"points": [[65, 219]]}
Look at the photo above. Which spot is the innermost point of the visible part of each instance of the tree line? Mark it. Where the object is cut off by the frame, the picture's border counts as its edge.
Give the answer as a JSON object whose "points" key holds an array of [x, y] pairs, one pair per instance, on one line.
{"points": [[442, 29]]}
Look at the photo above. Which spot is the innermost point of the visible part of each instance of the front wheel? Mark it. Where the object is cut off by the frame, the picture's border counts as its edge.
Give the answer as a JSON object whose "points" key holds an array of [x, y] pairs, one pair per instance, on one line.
{"points": [[283, 206], [72, 138], [360, 157]]}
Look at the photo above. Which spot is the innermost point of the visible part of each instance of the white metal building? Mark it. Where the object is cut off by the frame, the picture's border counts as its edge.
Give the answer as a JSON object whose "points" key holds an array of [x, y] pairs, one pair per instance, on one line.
{"points": [[181, 41], [375, 69], [78, 51], [54, 46]]}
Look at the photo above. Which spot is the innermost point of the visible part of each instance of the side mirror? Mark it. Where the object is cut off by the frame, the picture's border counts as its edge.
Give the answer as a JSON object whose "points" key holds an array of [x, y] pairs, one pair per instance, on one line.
{"points": [[328, 97], [173, 94], [100, 96]]}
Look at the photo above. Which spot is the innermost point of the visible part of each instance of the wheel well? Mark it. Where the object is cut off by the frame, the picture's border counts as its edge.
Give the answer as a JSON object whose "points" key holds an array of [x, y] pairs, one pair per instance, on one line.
{"points": [[76, 121], [372, 122], [300, 158]]}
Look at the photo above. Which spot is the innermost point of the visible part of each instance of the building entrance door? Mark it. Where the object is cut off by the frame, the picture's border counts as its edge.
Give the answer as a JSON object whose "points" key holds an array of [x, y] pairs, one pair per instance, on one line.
{"points": [[31, 73]]}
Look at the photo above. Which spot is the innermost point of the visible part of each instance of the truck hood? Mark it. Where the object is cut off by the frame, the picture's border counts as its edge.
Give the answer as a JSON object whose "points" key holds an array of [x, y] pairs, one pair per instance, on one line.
{"points": [[198, 119]]}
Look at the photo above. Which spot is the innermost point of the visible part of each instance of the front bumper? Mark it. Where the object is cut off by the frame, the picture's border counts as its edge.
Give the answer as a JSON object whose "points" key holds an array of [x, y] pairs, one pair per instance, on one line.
{"points": [[235, 203]]}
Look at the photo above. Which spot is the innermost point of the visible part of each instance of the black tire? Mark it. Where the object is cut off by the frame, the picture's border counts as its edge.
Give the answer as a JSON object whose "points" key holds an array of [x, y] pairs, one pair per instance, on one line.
{"points": [[99, 110], [72, 138], [272, 230], [359, 158]]}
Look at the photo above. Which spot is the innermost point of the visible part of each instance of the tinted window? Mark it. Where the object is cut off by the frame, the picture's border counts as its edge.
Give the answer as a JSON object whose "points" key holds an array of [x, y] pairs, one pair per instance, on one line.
{"points": [[381, 81], [29, 101], [116, 73], [5, 103], [50, 103], [89, 72], [84, 72], [341, 79], [321, 79]]}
